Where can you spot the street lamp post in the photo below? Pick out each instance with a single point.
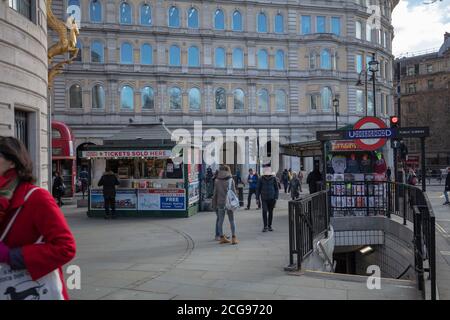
(373, 67)
(336, 109)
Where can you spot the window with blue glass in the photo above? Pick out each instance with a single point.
(221, 99)
(97, 52)
(262, 22)
(175, 56)
(80, 49)
(147, 98)
(146, 54)
(146, 15)
(326, 95)
(238, 99)
(175, 98)
(220, 57)
(125, 13)
(279, 60)
(280, 100)
(359, 63)
(126, 53)
(95, 11)
(195, 99)
(237, 21)
(126, 98)
(263, 100)
(193, 57)
(193, 18)
(306, 24)
(336, 25)
(174, 17)
(368, 59)
(263, 61)
(325, 59)
(321, 24)
(279, 23)
(219, 20)
(238, 58)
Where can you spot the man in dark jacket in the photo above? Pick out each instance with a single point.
(313, 178)
(267, 190)
(447, 186)
(252, 181)
(58, 188)
(109, 182)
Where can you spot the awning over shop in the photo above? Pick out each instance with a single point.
(302, 149)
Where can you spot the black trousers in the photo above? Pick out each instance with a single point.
(267, 208)
(110, 202)
(249, 199)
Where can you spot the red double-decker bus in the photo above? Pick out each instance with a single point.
(63, 155)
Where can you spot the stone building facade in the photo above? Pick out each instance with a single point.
(229, 64)
(425, 101)
(23, 84)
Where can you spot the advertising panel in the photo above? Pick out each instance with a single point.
(125, 199)
(162, 199)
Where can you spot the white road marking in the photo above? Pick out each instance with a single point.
(445, 253)
(441, 230)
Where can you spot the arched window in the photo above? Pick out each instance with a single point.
(175, 98)
(147, 98)
(146, 15)
(219, 20)
(262, 22)
(126, 53)
(194, 99)
(326, 98)
(97, 52)
(263, 61)
(174, 17)
(193, 18)
(279, 60)
(95, 10)
(220, 58)
(238, 58)
(368, 32)
(325, 59)
(221, 99)
(237, 21)
(279, 23)
(127, 98)
(125, 13)
(146, 54)
(238, 96)
(175, 56)
(312, 60)
(280, 100)
(358, 28)
(263, 100)
(193, 57)
(98, 97)
(75, 95)
(80, 49)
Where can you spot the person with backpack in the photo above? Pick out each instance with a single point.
(223, 183)
(267, 191)
(252, 181)
(58, 188)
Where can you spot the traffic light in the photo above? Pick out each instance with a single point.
(394, 122)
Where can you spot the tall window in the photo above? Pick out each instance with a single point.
(24, 7)
(219, 20)
(280, 100)
(359, 63)
(174, 17)
(358, 28)
(193, 57)
(336, 25)
(263, 100)
(126, 98)
(146, 15)
(368, 32)
(125, 13)
(237, 21)
(193, 18)
(279, 60)
(75, 95)
(97, 52)
(175, 98)
(220, 58)
(368, 59)
(312, 60)
(147, 98)
(175, 56)
(146, 54)
(383, 111)
(221, 99)
(238, 100)
(238, 58)
(263, 61)
(80, 49)
(321, 24)
(370, 102)
(306, 24)
(326, 98)
(359, 101)
(313, 102)
(262, 22)
(95, 10)
(21, 126)
(98, 97)
(126, 53)
(194, 99)
(279, 23)
(325, 59)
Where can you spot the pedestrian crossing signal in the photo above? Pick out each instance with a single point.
(394, 121)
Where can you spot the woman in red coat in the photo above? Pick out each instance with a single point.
(39, 216)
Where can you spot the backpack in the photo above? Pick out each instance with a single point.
(232, 201)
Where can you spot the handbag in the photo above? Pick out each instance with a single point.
(18, 284)
(232, 201)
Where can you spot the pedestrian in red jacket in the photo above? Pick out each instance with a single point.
(39, 216)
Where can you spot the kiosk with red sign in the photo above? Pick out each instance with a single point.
(63, 157)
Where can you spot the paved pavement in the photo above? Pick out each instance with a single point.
(156, 258)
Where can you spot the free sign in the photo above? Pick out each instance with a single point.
(374, 129)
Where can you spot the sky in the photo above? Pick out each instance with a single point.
(418, 26)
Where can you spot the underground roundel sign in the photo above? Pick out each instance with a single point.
(368, 123)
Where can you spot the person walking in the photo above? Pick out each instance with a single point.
(447, 186)
(84, 178)
(252, 180)
(109, 182)
(58, 188)
(314, 177)
(267, 191)
(295, 186)
(388, 174)
(219, 200)
(28, 214)
(300, 177)
(285, 180)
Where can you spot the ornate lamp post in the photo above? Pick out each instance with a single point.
(373, 67)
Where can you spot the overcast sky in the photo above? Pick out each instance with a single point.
(418, 26)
